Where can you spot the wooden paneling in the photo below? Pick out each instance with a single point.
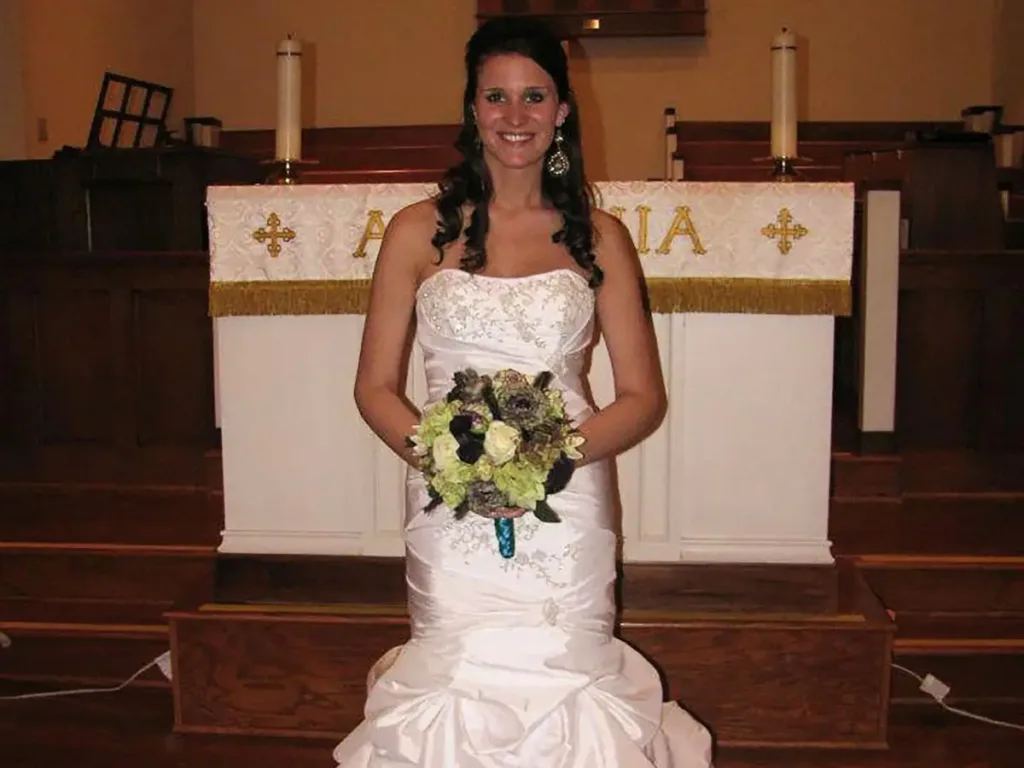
(949, 189)
(173, 392)
(746, 683)
(960, 371)
(735, 588)
(279, 674)
(28, 214)
(301, 671)
(74, 345)
(110, 368)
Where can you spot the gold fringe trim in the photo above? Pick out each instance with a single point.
(765, 296)
(750, 295)
(290, 297)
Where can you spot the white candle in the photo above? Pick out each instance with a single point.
(289, 85)
(784, 94)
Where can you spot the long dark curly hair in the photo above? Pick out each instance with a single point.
(469, 180)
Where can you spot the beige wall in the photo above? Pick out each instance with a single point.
(864, 60)
(1009, 58)
(400, 62)
(13, 144)
(68, 45)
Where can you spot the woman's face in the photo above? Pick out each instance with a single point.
(517, 110)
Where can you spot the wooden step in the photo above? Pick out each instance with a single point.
(63, 656)
(929, 524)
(92, 614)
(130, 728)
(958, 618)
(863, 477)
(104, 572)
(758, 678)
(81, 513)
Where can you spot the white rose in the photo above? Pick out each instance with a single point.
(501, 442)
(445, 451)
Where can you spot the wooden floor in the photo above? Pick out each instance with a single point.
(131, 728)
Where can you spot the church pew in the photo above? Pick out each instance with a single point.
(737, 151)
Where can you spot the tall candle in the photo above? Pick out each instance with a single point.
(289, 85)
(784, 94)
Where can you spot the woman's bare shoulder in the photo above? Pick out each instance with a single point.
(416, 221)
(407, 237)
(613, 242)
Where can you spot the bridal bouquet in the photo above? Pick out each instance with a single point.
(497, 446)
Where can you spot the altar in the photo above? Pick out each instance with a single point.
(744, 279)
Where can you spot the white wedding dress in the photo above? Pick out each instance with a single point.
(512, 662)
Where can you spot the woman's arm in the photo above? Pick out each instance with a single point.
(379, 387)
(640, 398)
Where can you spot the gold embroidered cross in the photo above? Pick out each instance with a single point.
(785, 231)
(274, 233)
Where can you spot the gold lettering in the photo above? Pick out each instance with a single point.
(682, 224)
(374, 230)
(617, 211)
(642, 247)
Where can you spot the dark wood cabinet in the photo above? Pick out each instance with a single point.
(573, 19)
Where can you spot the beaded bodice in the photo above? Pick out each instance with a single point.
(542, 321)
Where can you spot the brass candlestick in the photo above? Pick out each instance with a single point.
(287, 170)
(784, 169)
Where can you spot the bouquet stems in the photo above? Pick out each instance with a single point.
(504, 527)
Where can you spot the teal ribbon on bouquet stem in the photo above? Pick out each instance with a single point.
(505, 528)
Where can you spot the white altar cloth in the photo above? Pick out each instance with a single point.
(745, 281)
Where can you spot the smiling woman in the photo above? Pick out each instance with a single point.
(513, 660)
(517, 110)
(519, 114)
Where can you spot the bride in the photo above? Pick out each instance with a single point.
(512, 660)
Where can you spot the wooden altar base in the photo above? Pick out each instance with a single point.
(742, 667)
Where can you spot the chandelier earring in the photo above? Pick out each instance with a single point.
(558, 161)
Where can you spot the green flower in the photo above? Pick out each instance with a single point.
(433, 424)
(556, 405)
(522, 482)
(453, 483)
(480, 414)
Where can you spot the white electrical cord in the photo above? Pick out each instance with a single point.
(938, 690)
(163, 661)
